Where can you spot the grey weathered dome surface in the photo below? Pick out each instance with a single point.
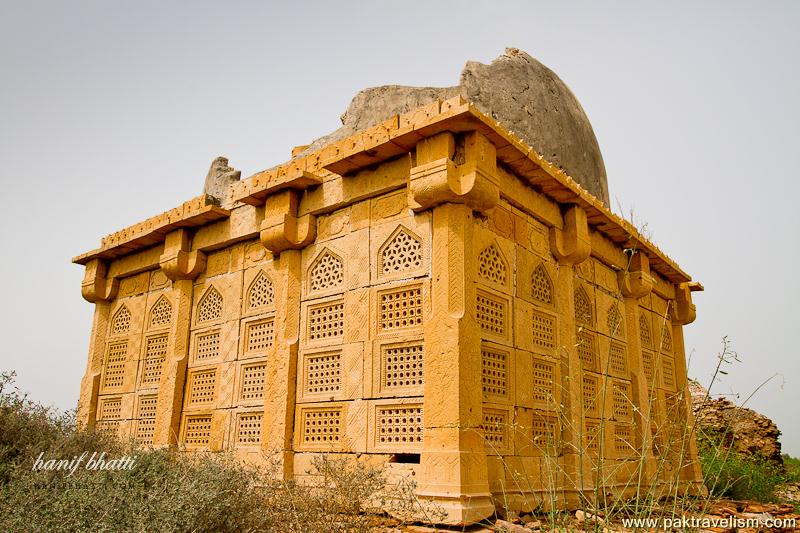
(516, 90)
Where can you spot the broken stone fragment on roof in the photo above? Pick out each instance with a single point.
(219, 178)
(516, 90)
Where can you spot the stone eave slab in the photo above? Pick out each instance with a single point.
(399, 135)
(198, 211)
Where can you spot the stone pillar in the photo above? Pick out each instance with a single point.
(571, 245)
(99, 290)
(453, 461)
(636, 282)
(284, 234)
(181, 265)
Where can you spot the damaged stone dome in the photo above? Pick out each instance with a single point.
(516, 90)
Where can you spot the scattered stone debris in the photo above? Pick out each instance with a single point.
(743, 430)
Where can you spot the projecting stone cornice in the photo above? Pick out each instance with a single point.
(196, 212)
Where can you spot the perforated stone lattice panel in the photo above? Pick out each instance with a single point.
(624, 445)
(400, 309)
(591, 437)
(583, 308)
(668, 371)
(110, 409)
(544, 381)
(590, 390)
(146, 425)
(491, 314)
(544, 330)
(197, 431)
(252, 387)
(648, 366)
(402, 365)
(322, 373)
(155, 353)
(622, 401)
(495, 429)
(615, 322)
(115, 364)
(494, 372)
(544, 433)
(326, 273)
(249, 428)
(587, 350)
(645, 337)
(492, 267)
(403, 252)
(666, 338)
(121, 322)
(321, 426)
(618, 359)
(399, 426)
(326, 321)
(541, 286)
(207, 346)
(210, 306)
(202, 386)
(261, 293)
(161, 313)
(259, 335)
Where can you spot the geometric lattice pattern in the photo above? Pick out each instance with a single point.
(121, 322)
(161, 313)
(403, 252)
(618, 359)
(146, 426)
(321, 425)
(202, 386)
(644, 332)
(541, 286)
(326, 321)
(491, 314)
(207, 346)
(583, 308)
(400, 309)
(155, 353)
(197, 431)
(648, 366)
(544, 330)
(623, 440)
(252, 387)
(615, 322)
(590, 392)
(591, 437)
(494, 426)
(327, 272)
(261, 292)
(210, 306)
(115, 364)
(544, 383)
(544, 432)
(249, 430)
(323, 373)
(495, 372)
(668, 372)
(110, 409)
(399, 426)
(401, 365)
(621, 400)
(666, 337)
(260, 335)
(492, 267)
(587, 350)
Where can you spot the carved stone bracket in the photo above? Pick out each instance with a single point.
(684, 311)
(438, 178)
(282, 229)
(636, 281)
(178, 260)
(96, 287)
(572, 245)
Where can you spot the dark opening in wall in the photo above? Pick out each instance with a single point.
(407, 458)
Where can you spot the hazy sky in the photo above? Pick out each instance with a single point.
(111, 112)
